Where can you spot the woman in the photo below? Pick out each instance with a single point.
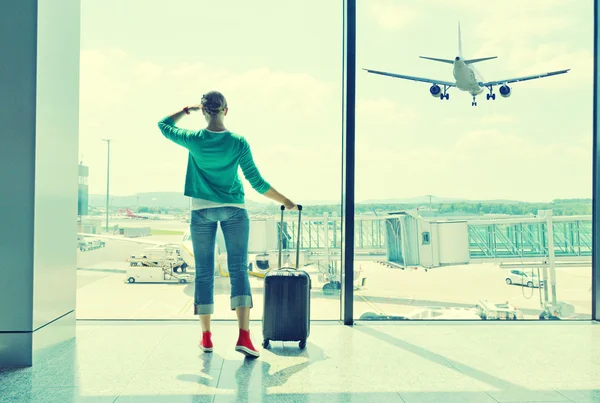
(217, 195)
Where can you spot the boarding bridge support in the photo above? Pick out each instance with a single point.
(551, 255)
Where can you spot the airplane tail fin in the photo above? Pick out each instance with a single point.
(460, 54)
(482, 59)
(435, 59)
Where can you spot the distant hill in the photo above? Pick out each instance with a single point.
(154, 199)
(448, 206)
(424, 200)
(176, 200)
(173, 200)
(414, 200)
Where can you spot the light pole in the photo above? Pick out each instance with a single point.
(430, 196)
(107, 181)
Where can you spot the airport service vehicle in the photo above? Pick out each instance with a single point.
(160, 256)
(92, 244)
(159, 264)
(521, 277)
(503, 311)
(444, 313)
(155, 274)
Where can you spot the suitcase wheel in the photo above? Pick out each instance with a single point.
(302, 344)
(265, 343)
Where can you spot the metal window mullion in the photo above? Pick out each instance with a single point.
(348, 159)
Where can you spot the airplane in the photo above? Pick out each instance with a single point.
(466, 80)
(129, 214)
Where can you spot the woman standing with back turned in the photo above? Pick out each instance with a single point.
(217, 195)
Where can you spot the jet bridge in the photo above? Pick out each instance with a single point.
(407, 239)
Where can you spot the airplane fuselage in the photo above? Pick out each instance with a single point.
(465, 78)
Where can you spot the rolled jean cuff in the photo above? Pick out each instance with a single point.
(241, 300)
(206, 309)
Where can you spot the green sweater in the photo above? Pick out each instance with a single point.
(213, 161)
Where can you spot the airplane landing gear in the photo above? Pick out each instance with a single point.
(474, 103)
(491, 95)
(445, 95)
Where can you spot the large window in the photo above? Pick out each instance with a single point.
(471, 203)
(278, 64)
(483, 203)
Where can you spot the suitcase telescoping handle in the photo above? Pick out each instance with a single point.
(297, 241)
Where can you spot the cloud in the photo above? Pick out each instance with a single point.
(552, 57)
(279, 91)
(148, 72)
(497, 119)
(510, 28)
(487, 140)
(484, 164)
(300, 170)
(491, 119)
(188, 70)
(391, 15)
(123, 98)
(384, 109)
(509, 7)
(97, 76)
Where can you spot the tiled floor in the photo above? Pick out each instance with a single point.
(425, 362)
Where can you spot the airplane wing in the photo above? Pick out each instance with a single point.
(526, 78)
(118, 238)
(420, 79)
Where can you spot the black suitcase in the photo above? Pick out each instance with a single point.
(286, 314)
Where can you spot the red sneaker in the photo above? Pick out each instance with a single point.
(206, 343)
(244, 345)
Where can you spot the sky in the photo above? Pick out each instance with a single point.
(280, 66)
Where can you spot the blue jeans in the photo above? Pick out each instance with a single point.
(236, 231)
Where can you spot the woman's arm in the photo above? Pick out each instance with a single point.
(178, 115)
(173, 133)
(278, 197)
(256, 180)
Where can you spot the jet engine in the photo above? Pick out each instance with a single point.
(435, 91)
(505, 91)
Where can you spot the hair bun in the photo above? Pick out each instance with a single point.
(213, 102)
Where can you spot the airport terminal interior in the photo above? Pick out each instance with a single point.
(491, 297)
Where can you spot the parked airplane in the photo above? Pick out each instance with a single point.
(129, 214)
(464, 74)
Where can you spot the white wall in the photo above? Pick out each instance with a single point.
(39, 109)
(56, 184)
